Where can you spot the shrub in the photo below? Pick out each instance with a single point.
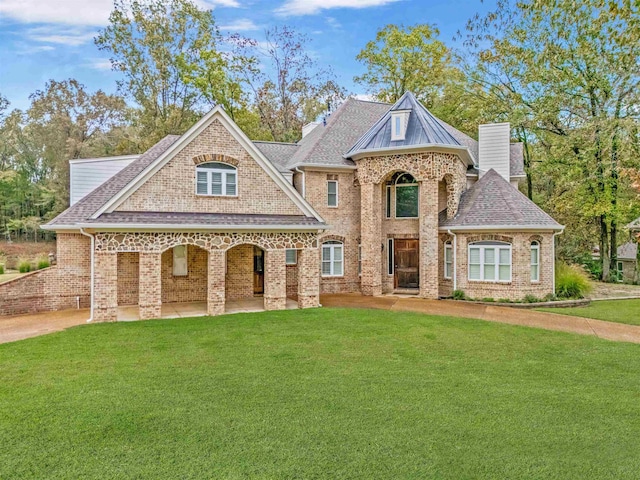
(504, 300)
(459, 295)
(529, 298)
(24, 265)
(571, 281)
(488, 299)
(550, 297)
(43, 262)
(1, 269)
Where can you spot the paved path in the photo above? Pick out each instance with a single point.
(618, 332)
(19, 327)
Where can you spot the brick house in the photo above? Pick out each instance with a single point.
(376, 199)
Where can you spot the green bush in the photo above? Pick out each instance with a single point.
(571, 281)
(504, 300)
(1, 269)
(24, 266)
(550, 297)
(459, 295)
(529, 298)
(488, 299)
(42, 262)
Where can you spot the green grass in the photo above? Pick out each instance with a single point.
(323, 393)
(619, 311)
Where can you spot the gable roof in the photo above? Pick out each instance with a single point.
(492, 203)
(325, 144)
(627, 251)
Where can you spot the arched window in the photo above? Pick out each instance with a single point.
(406, 196)
(535, 261)
(332, 259)
(216, 179)
(448, 260)
(490, 261)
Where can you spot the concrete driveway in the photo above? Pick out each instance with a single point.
(618, 332)
(19, 327)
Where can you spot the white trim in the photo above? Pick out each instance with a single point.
(496, 247)
(150, 227)
(535, 245)
(448, 246)
(374, 152)
(219, 113)
(91, 260)
(331, 246)
(336, 194)
(503, 228)
(455, 260)
(103, 159)
(223, 180)
(322, 167)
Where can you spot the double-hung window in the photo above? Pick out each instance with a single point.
(332, 193)
(535, 262)
(216, 179)
(490, 261)
(291, 257)
(448, 260)
(332, 259)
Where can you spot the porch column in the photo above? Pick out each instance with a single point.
(150, 292)
(429, 238)
(105, 301)
(216, 282)
(371, 241)
(308, 278)
(275, 280)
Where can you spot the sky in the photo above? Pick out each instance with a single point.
(53, 39)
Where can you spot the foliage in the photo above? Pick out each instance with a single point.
(619, 311)
(571, 281)
(42, 262)
(210, 397)
(1, 268)
(459, 295)
(529, 298)
(488, 299)
(24, 265)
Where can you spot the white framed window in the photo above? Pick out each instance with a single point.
(291, 256)
(332, 259)
(407, 196)
(490, 261)
(535, 262)
(390, 257)
(448, 260)
(359, 260)
(180, 264)
(332, 193)
(216, 179)
(398, 124)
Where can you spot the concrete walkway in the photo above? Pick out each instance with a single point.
(19, 327)
(618, 332)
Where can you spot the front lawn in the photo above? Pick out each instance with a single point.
(620, 311)
(325, 393)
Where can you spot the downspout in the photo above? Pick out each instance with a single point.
(553, 251)
(455, 259)
(304, 195)
(93, 241)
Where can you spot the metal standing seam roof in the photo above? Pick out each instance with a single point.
(493, 201)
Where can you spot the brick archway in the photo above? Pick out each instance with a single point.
(215, 157)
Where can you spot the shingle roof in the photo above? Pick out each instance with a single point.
(211, 219)
(87, 206)
(325, 145)
(627, 251)
(422, 128)
(635, 225)
(278, 153)
(492, 201)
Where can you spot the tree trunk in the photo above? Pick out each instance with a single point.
(636, 276)
(604, 248)
(613, 244)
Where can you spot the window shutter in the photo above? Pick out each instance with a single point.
(216, 183)
(201, 187)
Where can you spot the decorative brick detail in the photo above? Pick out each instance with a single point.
(308, 278)
(216, 283)
(215, 157)
(106, 287)
(423, 166)
(150, 285)
(161, 241)
(275, 282)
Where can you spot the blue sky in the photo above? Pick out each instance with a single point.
(53, 39)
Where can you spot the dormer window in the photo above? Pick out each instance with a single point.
(398, 125)
(216, 179)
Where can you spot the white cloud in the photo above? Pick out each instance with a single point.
(240, 25)
(311, 7)
(74, 12)
(365, 96)
(62, 35)
(24, 49)
(100, 64)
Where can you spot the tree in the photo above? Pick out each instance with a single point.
(285, 85)
(406, 58)
(573, 70)
(164, 49)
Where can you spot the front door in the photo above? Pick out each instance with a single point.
(406, 261)
(258, 271)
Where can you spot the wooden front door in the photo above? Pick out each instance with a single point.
(258, 271)
(406, 263)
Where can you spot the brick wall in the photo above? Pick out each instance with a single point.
(53, 288)
(189, 288)
(292, 281)
(128, 278)
(239, 278)
(172, 188)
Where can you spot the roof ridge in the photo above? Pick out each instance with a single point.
(274, 142)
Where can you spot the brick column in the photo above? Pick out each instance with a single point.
(371, 241)
(105, 293)
(308, 278)
(429, 239)
(275, 280)
(150, 291)
(216, 282)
